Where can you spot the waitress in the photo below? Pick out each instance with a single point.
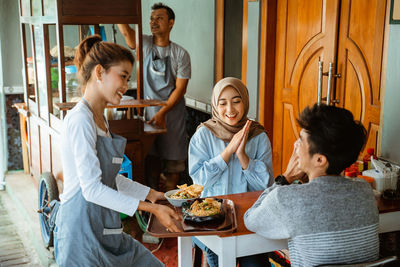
(88, 225)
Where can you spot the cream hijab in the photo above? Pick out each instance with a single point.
(217, 126)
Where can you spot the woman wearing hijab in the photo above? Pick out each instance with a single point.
(229, 153)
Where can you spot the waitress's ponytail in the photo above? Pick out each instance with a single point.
(83, 63)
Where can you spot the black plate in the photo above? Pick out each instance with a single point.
(188, 217)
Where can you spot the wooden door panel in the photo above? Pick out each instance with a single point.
(354, 99)
(307, 84)
(290, 133)
(372, 139)
(306, 33)
(360, 52)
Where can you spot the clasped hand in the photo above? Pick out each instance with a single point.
(238, 145)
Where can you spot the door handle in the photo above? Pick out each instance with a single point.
(328, 92)
(330, 75)
(320, 67)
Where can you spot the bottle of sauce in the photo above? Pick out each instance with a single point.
(367, 158)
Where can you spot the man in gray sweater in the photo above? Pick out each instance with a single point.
(331, 219)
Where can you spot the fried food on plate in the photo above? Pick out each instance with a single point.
(187, 192)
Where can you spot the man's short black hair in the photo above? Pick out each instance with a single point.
(170, 12)
(334, 133)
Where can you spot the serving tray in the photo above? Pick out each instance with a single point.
(229, 225)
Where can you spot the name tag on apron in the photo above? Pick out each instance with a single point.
(117, 160)
(112, 231)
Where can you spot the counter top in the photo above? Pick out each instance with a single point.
(129, 103)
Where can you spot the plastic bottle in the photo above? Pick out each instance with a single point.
(71, 82)
(367, 158)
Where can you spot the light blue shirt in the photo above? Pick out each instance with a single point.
(207, 168)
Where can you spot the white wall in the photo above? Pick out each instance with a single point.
(194, 30)
(390, 148)
(3, 143)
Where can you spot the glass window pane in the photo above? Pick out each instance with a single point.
(71, 41)
(50, 7)
(26, 8)
(41, 71)
(30, 68)
(55, 96)
(37, 8)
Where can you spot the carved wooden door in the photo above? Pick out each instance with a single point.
(347, 33)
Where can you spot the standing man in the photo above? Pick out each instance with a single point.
(166, 73)
(331, 219)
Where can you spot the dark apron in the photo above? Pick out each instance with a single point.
(158, 83)
(87, 234)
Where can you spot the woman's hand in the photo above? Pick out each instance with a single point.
(154, 195)
(164, 214)
(167, 218)
(242, 146)
(233, 144)
(241, 150)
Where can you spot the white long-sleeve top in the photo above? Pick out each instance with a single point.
(207, 167)
(81, 167)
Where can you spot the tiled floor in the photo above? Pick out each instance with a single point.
(21, 202)
(166, 250)
(13, 252)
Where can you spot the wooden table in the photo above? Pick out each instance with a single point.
(244, 242)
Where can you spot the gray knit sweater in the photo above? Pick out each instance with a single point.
(332, 219)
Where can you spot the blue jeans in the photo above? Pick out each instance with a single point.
(55, 242)
(259, 260)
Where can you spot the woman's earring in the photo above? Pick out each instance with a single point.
(98, 81)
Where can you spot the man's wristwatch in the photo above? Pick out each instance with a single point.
(281, 180)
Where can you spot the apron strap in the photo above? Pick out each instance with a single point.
(104, 117)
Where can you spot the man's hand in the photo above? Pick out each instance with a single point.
(158, 119)
(293, 171)
(129, 35)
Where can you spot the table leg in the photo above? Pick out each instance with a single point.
(227, 255)
(184, 251)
